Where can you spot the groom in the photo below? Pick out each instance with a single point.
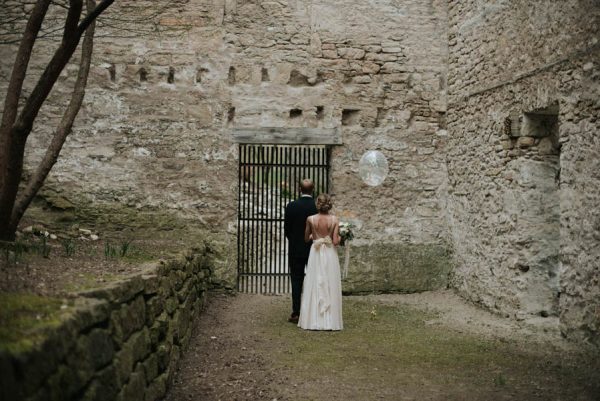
(296, 213)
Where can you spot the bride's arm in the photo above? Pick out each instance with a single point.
(307, 231)
(336, 233)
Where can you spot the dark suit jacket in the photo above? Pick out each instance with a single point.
(296, 213)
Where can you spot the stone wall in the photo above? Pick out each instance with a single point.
(122, 342)
(155, 132)
(524, 183)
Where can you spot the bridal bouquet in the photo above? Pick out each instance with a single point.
(346, 233)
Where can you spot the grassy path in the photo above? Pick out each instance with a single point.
(390, 350)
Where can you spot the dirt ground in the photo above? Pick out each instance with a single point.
(430, 346)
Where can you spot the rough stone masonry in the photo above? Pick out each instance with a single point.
(501, 188)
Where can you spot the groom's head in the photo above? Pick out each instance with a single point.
(306, 186)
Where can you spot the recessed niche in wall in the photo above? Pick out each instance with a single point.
(264, 75)
(320, 112)
(441, 117)
(381, 116)
(112, 72)
(143, 74)
(230, 115)
(231, 76)
(534, 137)
(171, 76)
(350, 116)
(298, 79)
(295, 113)
(200, 74)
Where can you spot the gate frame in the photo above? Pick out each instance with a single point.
(259, 138)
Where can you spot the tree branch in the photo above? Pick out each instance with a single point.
(93, 15)
(72, 20)
(15, 86)
(64, 128)
(46, 82)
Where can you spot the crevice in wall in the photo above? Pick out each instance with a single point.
(171, 76)
(295, 113)
(381, 116)
(230, 115)
(231, 76)
(320, 112)
(200, 75)
(350, 117)
(112, 72)
(264, 75)
(298, 79)
(143, 74)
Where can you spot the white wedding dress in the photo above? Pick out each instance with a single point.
(321, 305)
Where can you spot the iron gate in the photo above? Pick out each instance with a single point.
(269, 177)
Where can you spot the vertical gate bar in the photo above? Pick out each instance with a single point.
(313, 168)
(320, 169)
(292, 186)
(243, 216)
(276, 205)
(248, 217)
(321, 162)
(271, 223)
(258, 220)
(252, 221)
(238, 214)
(255, 218)
(274, 185)
(283, 203)
(282, 199)
(262, 222)
(281, 152)
(327, 166)
(249, 214)
(246, 222)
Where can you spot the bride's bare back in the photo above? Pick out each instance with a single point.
(322, 225)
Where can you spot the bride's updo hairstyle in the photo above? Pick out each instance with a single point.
(324, 203)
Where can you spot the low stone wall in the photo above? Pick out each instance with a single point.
(401, 268)
(122, 342)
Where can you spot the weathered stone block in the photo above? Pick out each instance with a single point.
(397, 268)
(103, 387)
(158, 330)
(128, 319)
(164, 355)
(351, 53)
(95, 349)
(154, 307)
(134, 350)
(151, 367)
(525, 141)
(119, 291)
(171, 304)
(156, 389)
(135, 389)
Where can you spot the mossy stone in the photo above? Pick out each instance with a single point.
(396, 268)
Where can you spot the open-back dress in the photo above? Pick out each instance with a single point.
(321, 305)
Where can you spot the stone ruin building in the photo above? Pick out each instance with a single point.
(488, 113)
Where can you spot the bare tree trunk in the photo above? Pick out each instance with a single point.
(13, 135)
(64, 129)
(8, 175)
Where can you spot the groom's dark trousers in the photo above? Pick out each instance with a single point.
(296, 213)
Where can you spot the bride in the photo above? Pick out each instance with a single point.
(321, 305)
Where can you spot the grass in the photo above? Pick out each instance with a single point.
(384, 344)
(23, 319)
